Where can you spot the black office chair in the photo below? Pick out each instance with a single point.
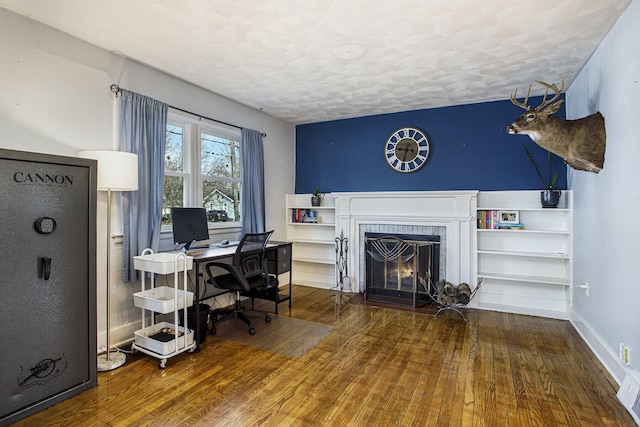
(247, 276)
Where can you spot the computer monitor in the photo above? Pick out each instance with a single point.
(189, 225)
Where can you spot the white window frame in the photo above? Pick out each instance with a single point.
(192, 127)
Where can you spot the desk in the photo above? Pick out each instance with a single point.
(278, 261)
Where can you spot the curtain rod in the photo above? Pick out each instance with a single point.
(116, 90)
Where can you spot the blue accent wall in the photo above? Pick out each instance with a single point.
(470, 150)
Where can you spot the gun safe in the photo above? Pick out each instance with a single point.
(47, 281)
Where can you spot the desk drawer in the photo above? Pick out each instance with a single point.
(279, 261)
(279, 267)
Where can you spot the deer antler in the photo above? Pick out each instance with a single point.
(554, 88)
(517, 103)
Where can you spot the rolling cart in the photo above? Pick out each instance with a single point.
(163, 339)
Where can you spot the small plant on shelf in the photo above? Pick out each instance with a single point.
(316, 197)
(550, 196)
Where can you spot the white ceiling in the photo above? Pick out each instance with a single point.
(287, 57)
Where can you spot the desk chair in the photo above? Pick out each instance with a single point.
(247, 275)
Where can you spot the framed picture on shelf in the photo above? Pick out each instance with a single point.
(509, 217)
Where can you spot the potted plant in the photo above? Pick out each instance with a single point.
(550, 196)
(316, 197)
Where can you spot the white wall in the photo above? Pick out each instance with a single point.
(55, 99)
(606, 228)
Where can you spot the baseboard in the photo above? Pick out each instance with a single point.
(607, 357)
(121, 337)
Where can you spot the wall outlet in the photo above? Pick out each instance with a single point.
(625, 354)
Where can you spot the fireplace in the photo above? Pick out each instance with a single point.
(448, 214)
(401, 268)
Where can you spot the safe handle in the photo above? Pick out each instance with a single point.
(46, 267)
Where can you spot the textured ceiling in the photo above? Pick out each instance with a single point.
(316, 60)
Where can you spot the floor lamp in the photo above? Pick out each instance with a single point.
(117, 171)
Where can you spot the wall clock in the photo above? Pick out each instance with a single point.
(407, 149)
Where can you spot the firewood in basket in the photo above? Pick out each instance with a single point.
(464, 293)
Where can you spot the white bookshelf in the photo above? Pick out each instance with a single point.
(526, 271)
(313, 254)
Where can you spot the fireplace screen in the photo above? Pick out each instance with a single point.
(401, 268)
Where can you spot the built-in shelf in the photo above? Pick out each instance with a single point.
(555, 314)
(527, 270)
(554, 255)
(508, 208)
(526, 278)
(312, 224)
(525, 231)
(313, 242)
(314, 260)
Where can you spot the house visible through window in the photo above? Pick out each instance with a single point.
(202, 168)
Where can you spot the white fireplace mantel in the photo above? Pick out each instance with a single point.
(453, 210)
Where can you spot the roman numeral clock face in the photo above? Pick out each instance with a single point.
(407, 149)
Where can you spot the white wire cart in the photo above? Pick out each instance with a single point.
(163, 339)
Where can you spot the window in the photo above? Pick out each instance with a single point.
(202, 168)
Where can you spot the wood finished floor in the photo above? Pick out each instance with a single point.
(379, 367)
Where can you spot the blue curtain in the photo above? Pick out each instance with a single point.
(143, 126)
(253, 210)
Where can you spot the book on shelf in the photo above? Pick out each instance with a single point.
(489, 220)
(299, 215)
(509, 226)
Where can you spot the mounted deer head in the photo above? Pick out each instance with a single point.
(581, 143)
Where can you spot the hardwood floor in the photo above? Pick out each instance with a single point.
(379, 367)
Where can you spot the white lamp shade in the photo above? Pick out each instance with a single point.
(117, 170)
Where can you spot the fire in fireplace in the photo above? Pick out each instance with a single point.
(401, 268)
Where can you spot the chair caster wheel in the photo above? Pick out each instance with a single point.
(213, 331)
(252, 331)
(267, 319)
